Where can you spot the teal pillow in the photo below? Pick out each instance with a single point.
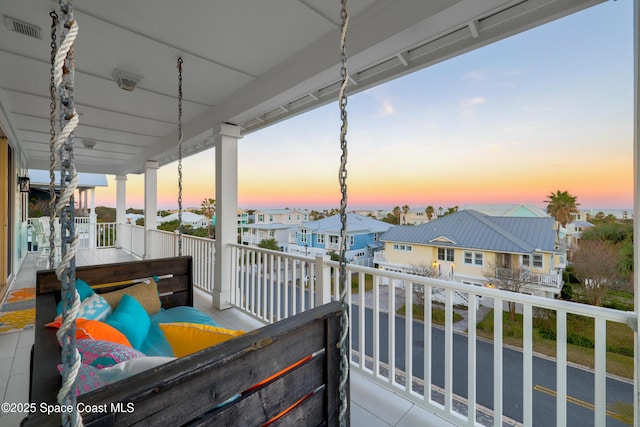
(131, 319)
(84, 291)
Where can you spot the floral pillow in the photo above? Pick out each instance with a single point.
(87, 380)
(102, 354)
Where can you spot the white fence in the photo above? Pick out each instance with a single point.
(399, 351)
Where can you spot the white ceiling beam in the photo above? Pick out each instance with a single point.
(403, 57)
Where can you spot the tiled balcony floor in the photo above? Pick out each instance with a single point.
(371, 405)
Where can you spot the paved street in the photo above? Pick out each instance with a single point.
(580, 382)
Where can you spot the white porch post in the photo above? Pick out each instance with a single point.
(226, 212)
(93, 218)
(150, 204)
(121, 207)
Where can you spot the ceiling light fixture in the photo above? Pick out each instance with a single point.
(126, 81)
(89, 143)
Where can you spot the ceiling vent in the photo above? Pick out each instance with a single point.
(22, 27)
(126, 81)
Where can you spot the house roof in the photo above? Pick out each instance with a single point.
(187, 217)
(281, 211)
(474, 230)
(355, 224)
(508, 209)
(270, 226)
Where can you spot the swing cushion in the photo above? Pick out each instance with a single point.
(145, 292)
(188, 338)
(87, 380)
(97, 330)
(156, 344)
(84, 291)
(93, 308)
(131, 319)
(102, 354)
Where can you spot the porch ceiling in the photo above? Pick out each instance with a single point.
(246, 62)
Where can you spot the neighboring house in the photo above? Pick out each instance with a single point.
(273, 224)
(188, 218)
(323, 236)
(414, 217)
(462, 245)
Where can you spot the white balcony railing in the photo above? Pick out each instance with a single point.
(446, 370)
(165, 244)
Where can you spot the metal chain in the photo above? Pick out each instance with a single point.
(52, 144)
(342, 101)
(64, 68)
(180, 156)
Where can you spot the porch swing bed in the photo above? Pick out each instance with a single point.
(286, 373)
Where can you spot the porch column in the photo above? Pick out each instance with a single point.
(121, 208)
(93, 218)
(226, 146)
(150, 204)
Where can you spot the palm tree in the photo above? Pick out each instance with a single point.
(429, 211)
(561, 205)
(208, 206)
(396, 213)
(405, 211)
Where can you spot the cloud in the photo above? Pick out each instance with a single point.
(387, 108)
(468, 106)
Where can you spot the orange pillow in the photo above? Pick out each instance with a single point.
(188, 338)
(96, 330)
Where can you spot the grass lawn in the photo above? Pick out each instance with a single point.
(355, 286)
(437, 314)
(617, 336)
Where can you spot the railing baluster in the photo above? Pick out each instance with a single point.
(361, 312)
(471, 359)
(561, 368)
(428, 344)
(600, 380)
(527, 365)
(408, 338)
(392, 333)
(376, 325)
(497, 361)
(448, 350)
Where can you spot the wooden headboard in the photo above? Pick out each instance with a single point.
(175, 291)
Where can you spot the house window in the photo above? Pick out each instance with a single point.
(537, 260)
(321, 239)
(303, 236)
(351, 240)
(532, 261)
(445, 254)
(402, 248)
(289, 217)
(375, 237)
(270, 218)
(334, 240)
(474, 258)
(271, 234)
(260, 217)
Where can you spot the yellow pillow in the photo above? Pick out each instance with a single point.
(146, 293)
(188, 338)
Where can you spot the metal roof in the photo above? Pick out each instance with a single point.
(356, 223)
(473, 230)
